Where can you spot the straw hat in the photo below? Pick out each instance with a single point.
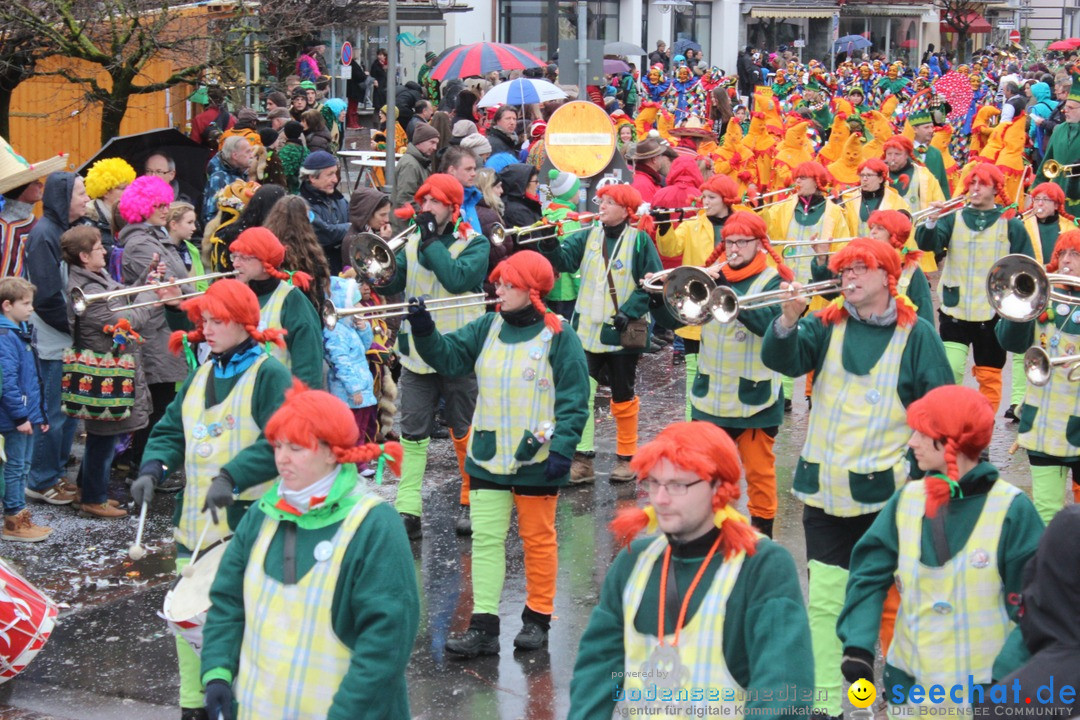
(15, 171)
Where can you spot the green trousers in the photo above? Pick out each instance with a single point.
(413, 465)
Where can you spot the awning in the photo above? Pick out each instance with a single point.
(977, 23)
(792, 12)
(894, 10)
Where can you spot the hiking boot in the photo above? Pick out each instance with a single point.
(581, 469)
(412, 526)
(533, 636)
(473, 643)
(19, 528)
(54, 495)
(1010, 414)
(77, 500)
(102, 510)
(464, 521)
(193, 714)
(622, 473)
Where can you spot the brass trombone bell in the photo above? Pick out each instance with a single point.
(80, 300)
(374, 258)
(1019, 288)
(1052, 169)
(727, 304)
(331, 314)
(1038, 366)
(687, 292)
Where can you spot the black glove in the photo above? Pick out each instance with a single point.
(549, 244)
(220, 495)
(857, 664)
(219, 699)
(420, 320)
(425, 223)
(620, 321)
(557, 466)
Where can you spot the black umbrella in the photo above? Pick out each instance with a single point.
(190, 157)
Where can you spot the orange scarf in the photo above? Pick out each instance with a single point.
(752, 268)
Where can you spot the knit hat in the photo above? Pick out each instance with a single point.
(308, 85)
(423, 133)
(106, 174)
(708, 452)
(963, 419)
(293, 130)
(429, 56)
(308, 417)
(875, 255)
(260, 243)
(225, 300)
(566, 186)
(319, 160)
(477, 143)
(464, 128)
(268, 136)
(529, 270)
(748, 224)
(142, 197)
(1069, 240)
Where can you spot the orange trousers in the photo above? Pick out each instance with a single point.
(888, 619)
(759, 462)
(461, 449)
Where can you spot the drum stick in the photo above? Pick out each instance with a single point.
(137, 551)
(189, 569)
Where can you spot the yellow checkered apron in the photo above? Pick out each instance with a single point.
(516, 395)
(730, 356)
(594, 306)
(697, 665)
(952, 621)
(214, 436)
(862, 427)
(270, 317)
(421, 282)
(1056, 404)
(971, 254)
(291, 661)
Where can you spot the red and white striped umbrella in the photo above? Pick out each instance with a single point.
(481, 58)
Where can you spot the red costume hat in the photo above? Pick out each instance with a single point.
(529, 270)
(225, 300)
(898, 225)
(876, 165)
(1066, 241)
(875, 255)
(988, 175)
(1054, 192)
(260, 243)
(900, 143)
(725, 187)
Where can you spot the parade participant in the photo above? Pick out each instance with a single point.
(694, 240)
(652, 160)
(707, 603)
(955, 544)
(614, 255)
(729, 387)
(214, 431)
(915, 183)
(442, 258)
(565, 190)
(875, 194)
(319, 547)
(927, 155)
(894, 227)
(524, 432)
(871, 357)
(1047, 219)
(1046, 412)
(974, 244)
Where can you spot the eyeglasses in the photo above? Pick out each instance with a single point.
(161, 173)
(739, 244)
(869, 176)
(1043, 200)
(856, 270)
(504, 286)
(673, 489)
(237, 257)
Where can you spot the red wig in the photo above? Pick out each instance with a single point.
(876, 165)
(629, 197)
(447, 190)
(962, 418)
(988, 175)
(725, 187)
(309, 417)
(1055, 193)
(708, 452)
(875, 255)
(898, 225)
(529, 270)
(264, 245)
(814, 170)
(1066, 241)
(900, 142)
(226, 300)
(748, 224)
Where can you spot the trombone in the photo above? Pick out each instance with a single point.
(1038, 366)
(727, 304)
(687, 290)
(500, 233)
(1019, 288)
(810, 243)
(80, 301)
(952, 206)
(1052, 169)
(374, 258)
(331, 315)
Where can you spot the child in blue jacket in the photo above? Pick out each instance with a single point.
(22, 406)
(346, 346)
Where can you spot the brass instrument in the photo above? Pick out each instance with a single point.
(1052, 169)
(500, 233)
(952, 206)
(374, 258)
(1020, 289)
(1038, 365)
(688, 292)
(671, 211)
(854, 192)
(727, 304)
(810, 243)
(80, 300)
(331, 314)
(788, 189)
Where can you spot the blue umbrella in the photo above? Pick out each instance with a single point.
(522, 91)
(851, 42)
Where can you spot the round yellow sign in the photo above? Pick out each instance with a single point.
(580, 139)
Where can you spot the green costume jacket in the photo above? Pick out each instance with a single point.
(936, 239)
(1064, 148)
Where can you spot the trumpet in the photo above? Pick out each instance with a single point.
(1052, 169)
(1038, 366)
(80, 301)
(500, 233)
(374, 258)
(687, 290)
(689, 209)
(1020, 289)
(781, 191)
(950, 207)
(727, 304)
(331, 315)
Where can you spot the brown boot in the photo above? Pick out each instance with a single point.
(19, 528)
(622, 473)
(581, 469)
(102, 510)
(77, 502)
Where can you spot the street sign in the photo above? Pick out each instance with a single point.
(1014, 36)
(799, 43)
(346, 53)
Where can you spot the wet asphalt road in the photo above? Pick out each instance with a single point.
(112, 656)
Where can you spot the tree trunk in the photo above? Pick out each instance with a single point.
(114, 108)
(5, 110)
(17, 68)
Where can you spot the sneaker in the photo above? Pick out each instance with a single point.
(533, 636)
(68, 486)
(77, 501)
(413, 527)
(464, 521)
(622, 473)
(581, 469)
(787, 405)
(473, 643)
(19, 528)
(102, 510)
(678, 357)
(1010, 414)
(53, 495)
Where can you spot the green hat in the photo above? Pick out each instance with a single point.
(200, 96)
(564, 186)
(813, 85)
(919, 110)
(920, 117)
(429, 56)
(308, 85)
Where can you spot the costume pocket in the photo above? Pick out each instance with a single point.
(528, 447)
(872, 487)
(700, 388)
(807, 477)
(754, 392)
(950, 296)
(1072, 431)
(483, 444)
(403, 343)
(1027, 417)
(609, 335)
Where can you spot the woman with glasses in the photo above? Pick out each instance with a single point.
(872, 357)
(874, 194)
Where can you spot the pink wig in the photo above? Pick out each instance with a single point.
(142, 196)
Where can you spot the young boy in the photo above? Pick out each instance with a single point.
(21, 406)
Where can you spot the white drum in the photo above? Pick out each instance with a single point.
(187, 603)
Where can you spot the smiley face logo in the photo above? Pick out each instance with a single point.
(862, 693)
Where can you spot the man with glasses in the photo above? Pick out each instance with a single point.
(872, 357)
(704, 617)
(974, 243)
(164, 167)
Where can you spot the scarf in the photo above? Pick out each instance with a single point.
(752, 268)
(310, 497)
